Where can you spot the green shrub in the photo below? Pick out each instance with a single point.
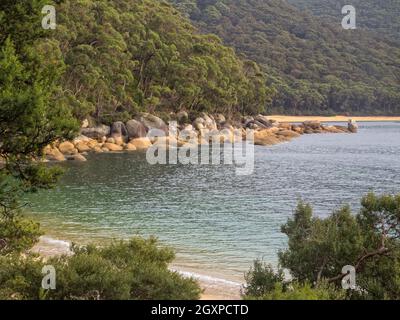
(305, 291)
(137, 270)
(261, 279)
(20, 277)
(18, 235)
(318, 249)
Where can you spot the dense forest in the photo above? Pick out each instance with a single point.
(126, 56)
(115, 58)
(382, 17)
(315, 65)
(121, 57)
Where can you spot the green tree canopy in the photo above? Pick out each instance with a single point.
(127, 56)
(31, 115)
(318, 249)
(315, 65)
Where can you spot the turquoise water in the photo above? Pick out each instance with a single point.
(219, 222)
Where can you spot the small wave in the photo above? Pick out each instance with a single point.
(54, 242)
(48, 247)
(207, 278)
(49, 244)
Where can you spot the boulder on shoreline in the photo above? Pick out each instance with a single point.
(67, 147)
(333, 129)
(96, 132)
(118, 129)
(288, 133)
(119, 140)
(342, 128)
(209, 121)
(205, 129)
(352, 126)
(83, 147)
(110, 140)
(130, 147)
(258, 122)
(53, 154)
(152, 122)
(135, 129)
(285, 126)
(298, 128)
(198, 124)
(313, 125)
(112, 147)
(141, 143)
(263, 121)
(76, 157)
(220, 119)
(265, 138)
(182, 117)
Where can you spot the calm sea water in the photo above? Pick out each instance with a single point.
(219, 222)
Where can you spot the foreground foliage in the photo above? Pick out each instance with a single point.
(34, 114)
(319, 248)
(137, 269)
(30, 68)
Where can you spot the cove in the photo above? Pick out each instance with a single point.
(219, 222)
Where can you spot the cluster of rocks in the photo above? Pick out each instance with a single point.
(130, 136)
(272, 132)
(133, 135)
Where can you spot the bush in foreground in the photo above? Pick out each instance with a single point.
(137, 269)
(319, 248)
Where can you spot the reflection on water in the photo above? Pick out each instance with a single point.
(217, 221)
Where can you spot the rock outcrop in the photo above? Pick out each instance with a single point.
(53, 154)
(152, 122)
(130, 147)
(82, 147)
(312, 125)
(67, 147)
(76, 157)
(118, 129)
(265, 138)
(141, 143)
(96, 132)
(205, 129)
(135, 129)
(182, 117)
(112, 147)
(352, 126)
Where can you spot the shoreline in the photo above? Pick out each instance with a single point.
(268, 131)
(150, 131)
(213, 288)
(284, 118)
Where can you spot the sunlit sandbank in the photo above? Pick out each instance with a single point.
(283, 118)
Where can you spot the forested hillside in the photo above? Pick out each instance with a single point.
(126, 56)
(119, 57)
(382, 17)
(315, 65)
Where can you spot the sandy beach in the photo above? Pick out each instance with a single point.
(283, 118)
